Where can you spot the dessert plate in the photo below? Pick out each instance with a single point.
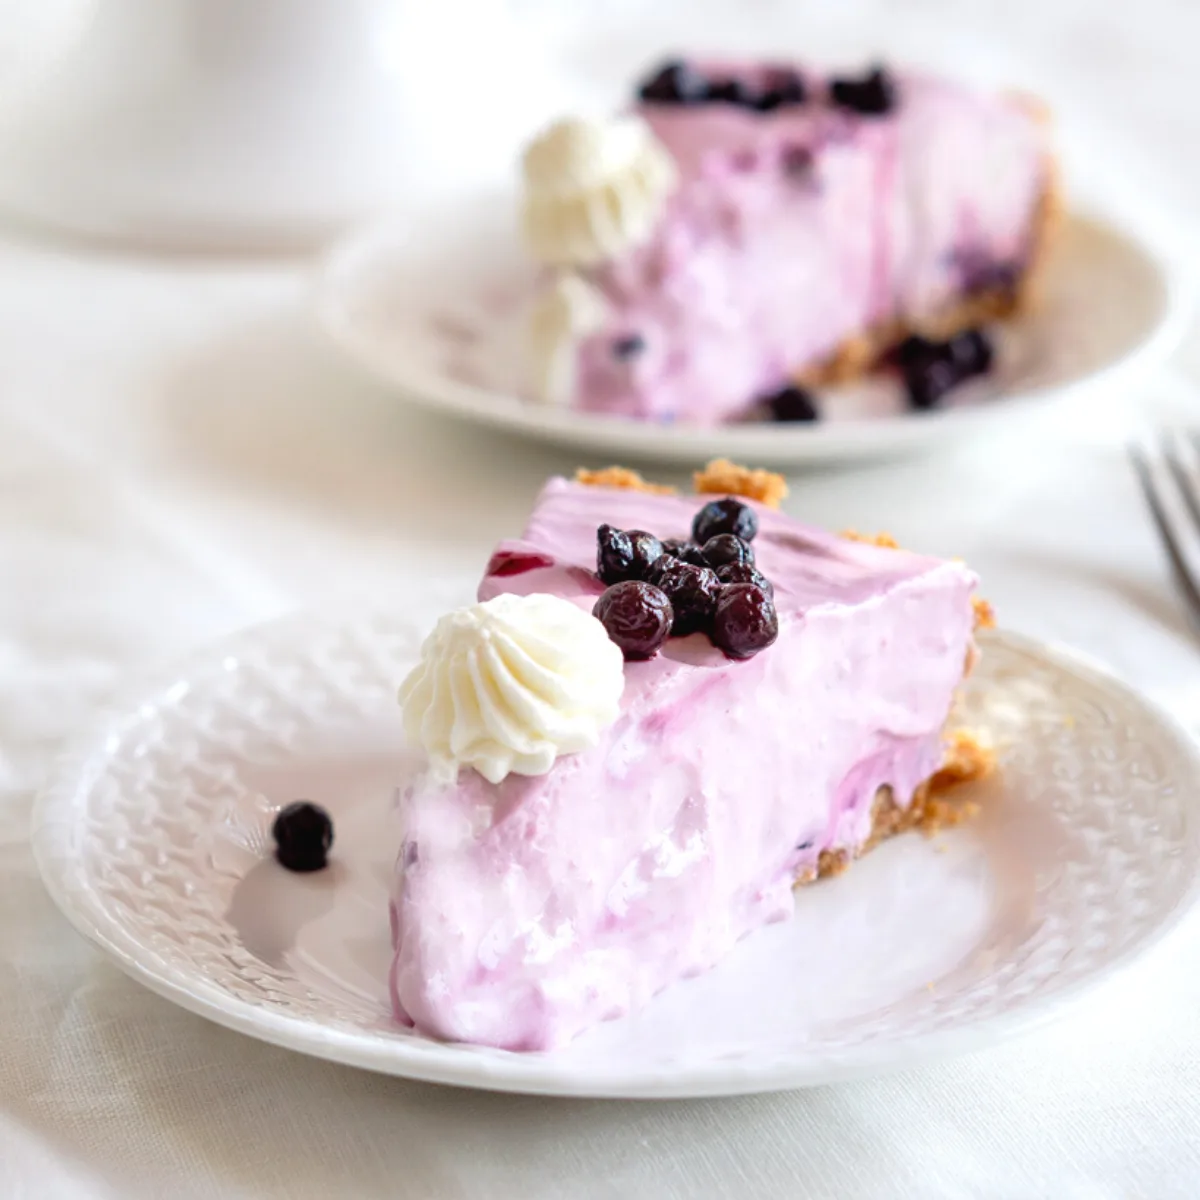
(153, 838)
(428, 306)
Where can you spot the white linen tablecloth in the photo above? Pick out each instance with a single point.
(179, 455)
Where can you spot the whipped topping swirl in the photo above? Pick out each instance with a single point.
(567, 311)
(510, 685)
(593, 188)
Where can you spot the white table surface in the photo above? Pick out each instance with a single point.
(180, 455)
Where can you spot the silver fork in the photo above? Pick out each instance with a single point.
(1168, 467)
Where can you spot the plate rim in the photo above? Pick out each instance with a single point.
(54, 835)
(808, 443)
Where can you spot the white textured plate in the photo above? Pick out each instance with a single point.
(428, 306)
(153, 839)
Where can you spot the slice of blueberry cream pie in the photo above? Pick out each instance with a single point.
(747, 232)
(662, 714)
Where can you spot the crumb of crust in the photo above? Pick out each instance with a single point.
(622, 479)
(722, 476)
(832, 862)
(985, 615)
(885, 540)
(967, 757)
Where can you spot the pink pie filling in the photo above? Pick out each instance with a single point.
(793, 231)
(527, 911)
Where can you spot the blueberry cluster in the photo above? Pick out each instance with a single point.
(932, 369)
(675, 82)
(303, 834)
(660, 589)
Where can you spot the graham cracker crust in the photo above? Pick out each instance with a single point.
(967, 759)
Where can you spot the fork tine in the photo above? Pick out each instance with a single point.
(1166, 525)
(1183, 473)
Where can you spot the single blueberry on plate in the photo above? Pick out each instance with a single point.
(303, 834)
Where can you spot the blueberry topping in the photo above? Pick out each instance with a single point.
(726, 548)
(732, 91)
(928, 380)
(624, 555)
(791, 404)
(647, 550)
(303, 834)
(637, 616)
(628, 347)
(913, 350)
(786, 88)
(745, 621)
(614, 555)
(970, 352)
(746, 573)
(931, 369)
(872, 96)
(687, 552)
(692, 591)
(674, 83)
(724, 516)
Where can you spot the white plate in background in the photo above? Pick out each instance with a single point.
(427, 306)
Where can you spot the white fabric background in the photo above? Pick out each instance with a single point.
(179, 455)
